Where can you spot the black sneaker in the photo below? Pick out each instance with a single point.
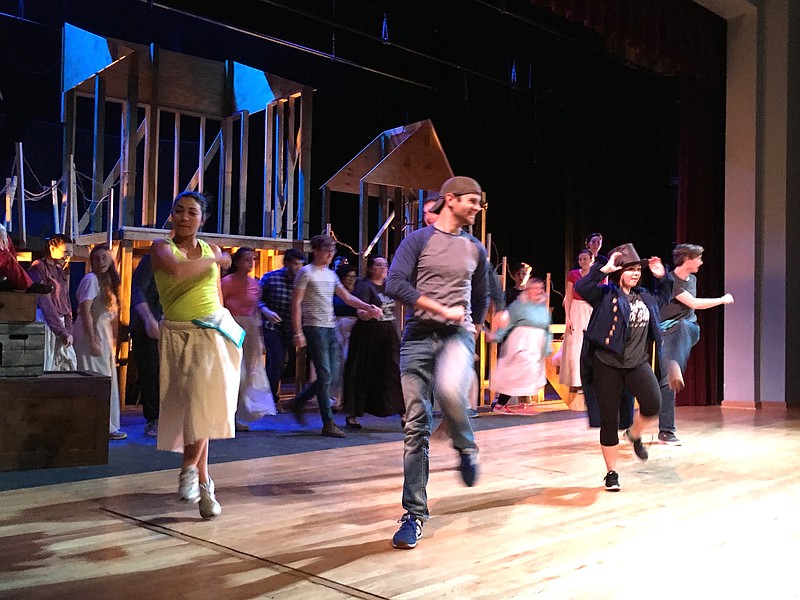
(612, 482)
(408, 534)
(668, 437)
(638, 445)
(469, 467)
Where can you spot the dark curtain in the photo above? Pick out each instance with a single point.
(681, 38)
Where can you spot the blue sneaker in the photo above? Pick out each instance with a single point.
(408, 534)
(469, 467)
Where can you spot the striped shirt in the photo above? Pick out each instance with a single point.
(319, 285)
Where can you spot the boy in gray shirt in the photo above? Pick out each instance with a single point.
(440, 272)
(313, 324)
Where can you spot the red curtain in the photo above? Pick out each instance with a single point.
(679, 37)
(665, 36)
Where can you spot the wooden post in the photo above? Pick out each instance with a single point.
(54, 194)
(363, 222)
(201, 153)
(123, 345)
(150, 176)
(68, 156)
(176, 156)
(98, 152)
(291, 163)
(244, 142)
(280, 168)
(225, 178)
(268, 225)
(110, 219)
(73, 194)
(130, 126)
(304, 175)
(21, 187)
(326, 206)
(11, 189)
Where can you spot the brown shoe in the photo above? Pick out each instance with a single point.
(331, 430)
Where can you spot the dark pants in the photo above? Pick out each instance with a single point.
(279, 347)
(609, 383)
(145, 353)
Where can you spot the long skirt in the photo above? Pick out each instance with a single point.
(579, 314)
(344, 327)
(520, 369)
(199, 385)
(105, 364)
(255, 395)
(372, 371)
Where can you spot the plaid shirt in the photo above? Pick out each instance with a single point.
(276, 295)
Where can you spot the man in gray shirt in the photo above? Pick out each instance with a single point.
(440, 273)
(314, 325)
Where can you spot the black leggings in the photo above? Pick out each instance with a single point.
(608, 384)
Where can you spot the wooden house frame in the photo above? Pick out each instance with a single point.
(151, 84)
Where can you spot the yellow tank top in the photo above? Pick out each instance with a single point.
(192, 298)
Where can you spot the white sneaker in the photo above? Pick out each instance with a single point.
(209, 507)
(189, 485)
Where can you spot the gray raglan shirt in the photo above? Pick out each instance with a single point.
(448, 268)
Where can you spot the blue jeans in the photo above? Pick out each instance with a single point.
(323, 349)
(678, 343)
(440, 360)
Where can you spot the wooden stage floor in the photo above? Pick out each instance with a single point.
(714, 518)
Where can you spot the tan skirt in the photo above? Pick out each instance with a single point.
(199, 385)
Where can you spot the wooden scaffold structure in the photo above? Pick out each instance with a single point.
(199, 113)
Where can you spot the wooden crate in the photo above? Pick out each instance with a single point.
(21, 349)
(17, 306)
(54, 420)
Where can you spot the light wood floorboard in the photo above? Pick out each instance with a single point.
(714, 518)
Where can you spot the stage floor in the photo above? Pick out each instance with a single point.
(714, 518)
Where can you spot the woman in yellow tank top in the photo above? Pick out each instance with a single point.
(199, 350)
